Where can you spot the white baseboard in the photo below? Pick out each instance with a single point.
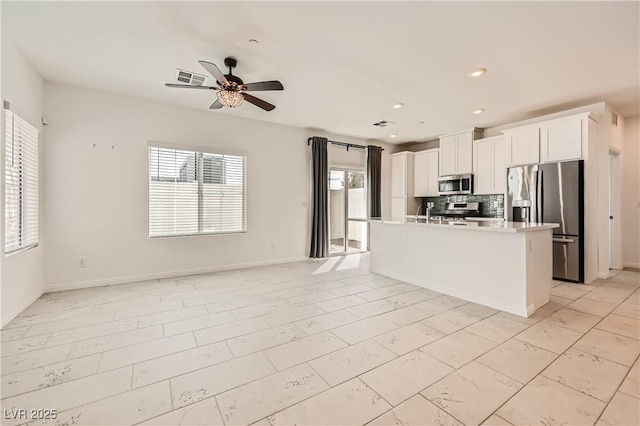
(603, 275)
(19, 310)
(462, 294)
(635, 265)
(170, 274)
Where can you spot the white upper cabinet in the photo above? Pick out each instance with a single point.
(522, 145)
(456, 153)
(448, 155)
(499, 165)
(482, 166)
(425, 173)
(547, 142)
(465, 152)
(489, 166)
(562, 139)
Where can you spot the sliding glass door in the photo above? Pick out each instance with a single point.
(348, 227)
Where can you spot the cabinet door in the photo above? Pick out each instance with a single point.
(420, 174)
(448, 155)
(398, 208)
(483, 167)
(398, 175)
(561, 140)
(432, 175)
(499, 166)
(523, 146)
(464, 152)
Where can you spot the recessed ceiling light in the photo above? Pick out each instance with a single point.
(393, 136)
(398, 105)
(479, 111)
(253, 41)
(477, 73)
(420, 122)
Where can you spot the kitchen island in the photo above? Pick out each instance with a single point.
(504, 265)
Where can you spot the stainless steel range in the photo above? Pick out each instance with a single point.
(456, 211)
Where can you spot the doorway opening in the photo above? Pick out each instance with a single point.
(348, 226)
(615, 257)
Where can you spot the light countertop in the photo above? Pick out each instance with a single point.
(491, 226)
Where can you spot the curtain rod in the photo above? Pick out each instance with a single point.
(348, 145)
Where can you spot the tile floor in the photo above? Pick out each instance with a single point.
(321, 342)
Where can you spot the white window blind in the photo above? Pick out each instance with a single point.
(20, 184)
(195, 193)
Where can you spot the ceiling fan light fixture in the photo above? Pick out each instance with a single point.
(230, 98)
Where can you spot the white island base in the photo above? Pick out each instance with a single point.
(506, 266)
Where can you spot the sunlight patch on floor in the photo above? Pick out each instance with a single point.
(350, 261)
(327, 266)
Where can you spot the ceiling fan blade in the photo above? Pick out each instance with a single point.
(258, 102)
(264, 85)
(214, 71)
(190, 86)
(216, 105)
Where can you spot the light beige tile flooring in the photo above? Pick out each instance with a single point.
(321, 343)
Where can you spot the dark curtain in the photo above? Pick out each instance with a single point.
(320, 221)
(374, 180)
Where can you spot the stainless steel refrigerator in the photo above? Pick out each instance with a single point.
(552, 193)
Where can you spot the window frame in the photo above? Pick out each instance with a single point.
(199, 152)
(25, 175)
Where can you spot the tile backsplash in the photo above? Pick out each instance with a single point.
(490, 205)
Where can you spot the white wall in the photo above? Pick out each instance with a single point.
(21, 273)
(87, 186)
(631, 193)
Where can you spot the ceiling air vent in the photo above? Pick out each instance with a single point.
(190, 78)
(383, 123)
(614, 119)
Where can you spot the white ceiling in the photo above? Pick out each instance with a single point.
(344, 64)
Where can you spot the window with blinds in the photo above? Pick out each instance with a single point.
(195, 193)
(20, 184)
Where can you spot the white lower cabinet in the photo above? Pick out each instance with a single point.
(489, 166)
(425, 173)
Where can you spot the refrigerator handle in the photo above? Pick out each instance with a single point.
(533, 215)
(536, 204)
(539, 194)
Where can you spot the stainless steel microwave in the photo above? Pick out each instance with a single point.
(455, 184)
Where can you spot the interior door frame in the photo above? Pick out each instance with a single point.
(615, 210)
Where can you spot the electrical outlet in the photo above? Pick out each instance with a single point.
(82, 263)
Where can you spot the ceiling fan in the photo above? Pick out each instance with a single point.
(231, 89)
